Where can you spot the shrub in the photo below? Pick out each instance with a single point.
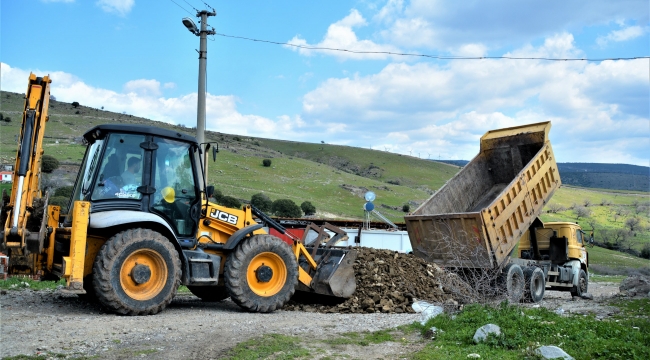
(262, 202)
(231, 202)
(406, 208)
(65, 191)
(217, 195)
(236, 138)
(75, 104)
(581, 212)
(49, 164)
(266, 162)
(76, 112)
(308, 208)
(286, 208)
(645, 252)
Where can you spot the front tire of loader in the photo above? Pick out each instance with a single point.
(136, 272)
(261, 274)
(210, 293)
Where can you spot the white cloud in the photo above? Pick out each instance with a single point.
(143, 87)
(169, 85)
(119, 7)
(391, 10)
(444, 25)
(625, 34)
(141, 97)
(340, 35)
(445, 109)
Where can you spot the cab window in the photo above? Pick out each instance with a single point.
(175, 185)
(120, 172)
(579, 236)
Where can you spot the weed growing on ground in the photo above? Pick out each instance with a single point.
(280, 346)
(17, 283)
(523, 330)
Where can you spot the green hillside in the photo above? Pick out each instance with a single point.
(332, 177)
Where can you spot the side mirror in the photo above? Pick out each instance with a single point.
(215, 150)
(209, 190)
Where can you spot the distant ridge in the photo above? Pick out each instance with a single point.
(596, 175)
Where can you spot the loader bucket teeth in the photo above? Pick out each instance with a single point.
(335, 273)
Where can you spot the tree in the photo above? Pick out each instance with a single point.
(554, 208)
(581, 212)
(61, 201)
(286, 208)
(49, 164)
(262, 202)
(614, 238)
(586, 202)
(231, 202)
(308, 208)
(406, 208)
(645, 252)
(633, 224)
(266, 162)
(52, 97)
(75, 104)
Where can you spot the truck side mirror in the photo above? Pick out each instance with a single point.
(215, 150)
(209, 190)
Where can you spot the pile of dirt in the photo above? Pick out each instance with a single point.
(387, 282)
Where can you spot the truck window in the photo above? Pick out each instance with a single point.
(579, 236)
(120, 172)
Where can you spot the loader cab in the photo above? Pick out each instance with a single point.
(133, 174)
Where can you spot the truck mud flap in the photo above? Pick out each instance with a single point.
(334, 275)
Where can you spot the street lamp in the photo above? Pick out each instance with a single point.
(203, 57)
(191, 26)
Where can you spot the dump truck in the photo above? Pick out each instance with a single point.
(140, 224)
(477, 219)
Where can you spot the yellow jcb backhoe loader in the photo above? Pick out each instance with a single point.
(140, 225)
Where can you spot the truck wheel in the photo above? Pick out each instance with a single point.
(583, 285)
(210, 293)
(513, 279)
(136, 272)
(535, 284)
(261, 274)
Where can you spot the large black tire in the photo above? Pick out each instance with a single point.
(512, 279)
(210, 293)
(535, 284)
(261, 274)
(583, 285)
(136, 272)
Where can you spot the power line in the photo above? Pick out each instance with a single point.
(208, 5)
(197, 10)
(437, 57)
(183, 8)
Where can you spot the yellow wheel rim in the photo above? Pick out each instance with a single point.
(266, 274)
(143, 274)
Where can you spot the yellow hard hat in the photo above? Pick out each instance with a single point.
(168, 194)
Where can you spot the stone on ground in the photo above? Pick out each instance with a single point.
(635, 285)
(552, 352)
(482, 333)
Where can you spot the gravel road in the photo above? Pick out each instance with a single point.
(48, 321)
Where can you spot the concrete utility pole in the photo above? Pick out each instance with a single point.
(203, 62)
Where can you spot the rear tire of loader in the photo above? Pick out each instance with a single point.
(136, 272)
(210, 293)
(535, 284)
(513, 279)
(261, 274)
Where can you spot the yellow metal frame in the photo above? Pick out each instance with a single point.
(73, 265)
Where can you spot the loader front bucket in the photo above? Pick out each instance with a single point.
(334, 275)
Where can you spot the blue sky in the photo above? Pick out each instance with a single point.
(136, 56)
